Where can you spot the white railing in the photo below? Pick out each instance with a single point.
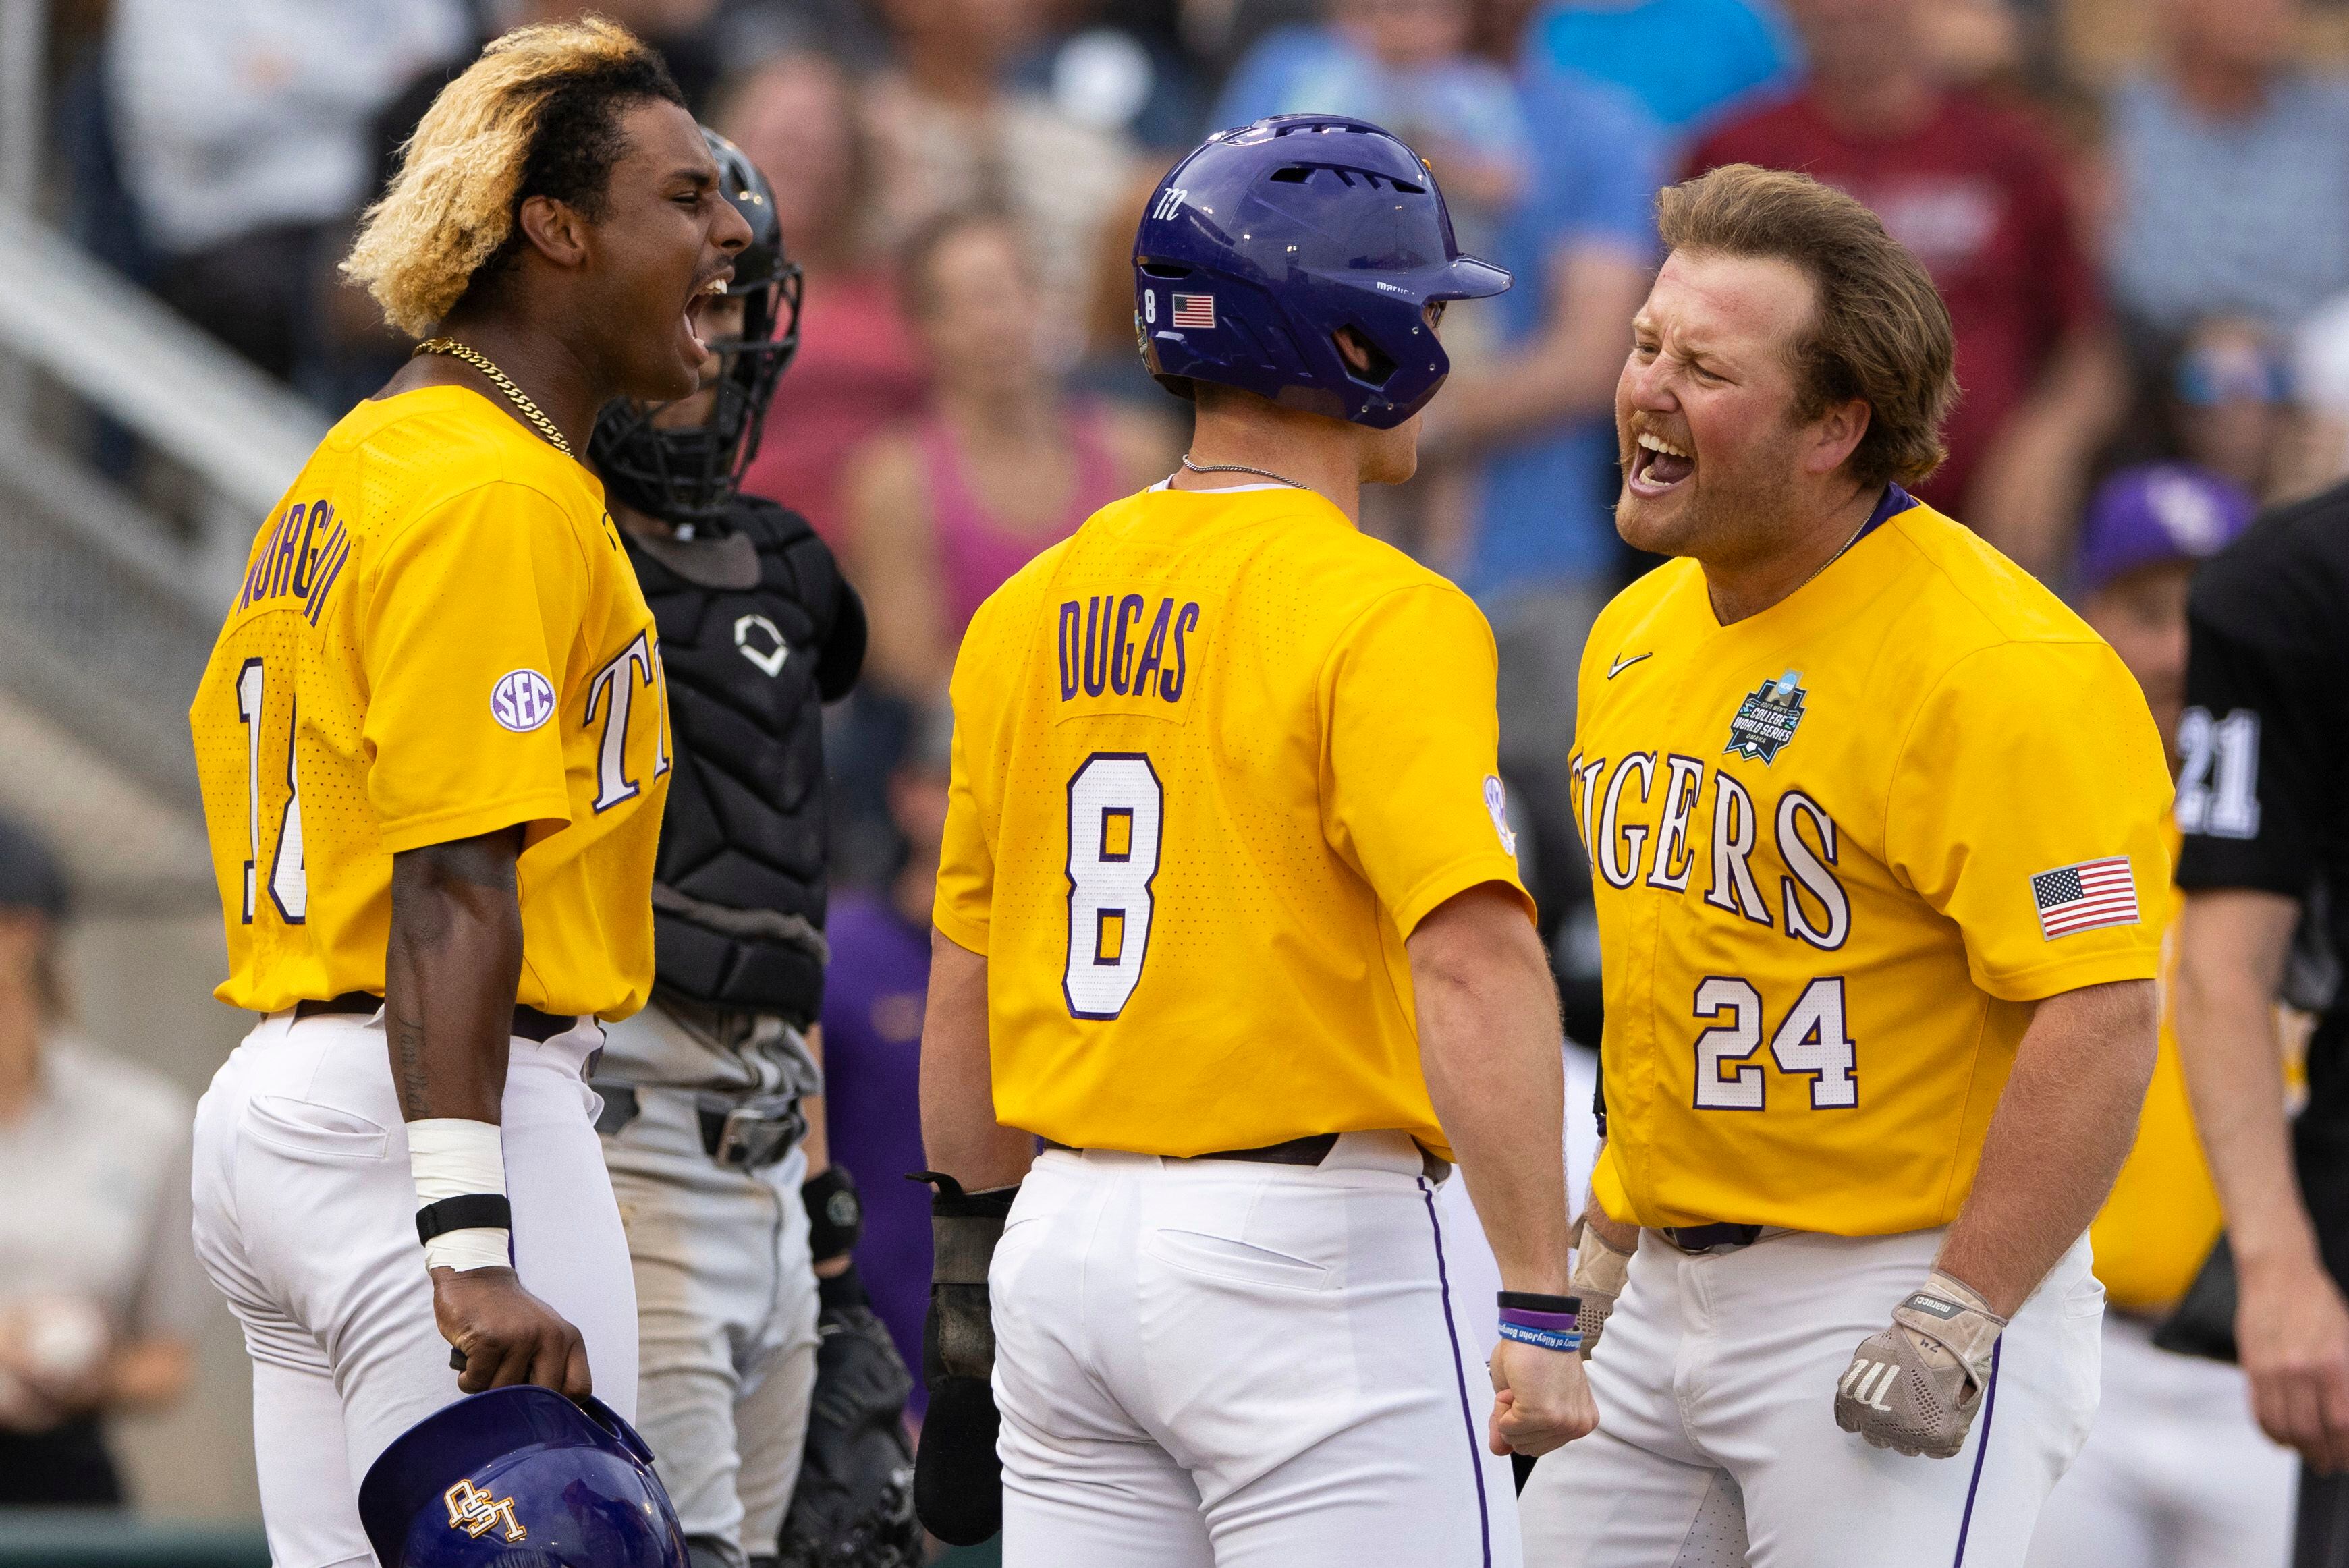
(242, 433)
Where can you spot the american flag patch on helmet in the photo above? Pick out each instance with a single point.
(2085, 896)
(1194, 310)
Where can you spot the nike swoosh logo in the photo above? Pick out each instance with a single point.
(1621, 664)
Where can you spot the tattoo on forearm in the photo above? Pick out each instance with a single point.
(407, 1041)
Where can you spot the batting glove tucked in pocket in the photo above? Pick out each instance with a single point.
(1916, 1385)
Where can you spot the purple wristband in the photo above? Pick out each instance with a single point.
(1526, 1317)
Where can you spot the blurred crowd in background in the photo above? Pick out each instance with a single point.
(2136, 209)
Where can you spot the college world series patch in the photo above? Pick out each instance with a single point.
(1765, 721)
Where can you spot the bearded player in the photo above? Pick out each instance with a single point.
(433, 744)
(1877, 824)
(1228, 916)
(711, 1115)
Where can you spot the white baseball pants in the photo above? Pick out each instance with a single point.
(1218, 1363)
(305, 1219)
(2175, 1473)
(726, 1308)
(1717, 1445)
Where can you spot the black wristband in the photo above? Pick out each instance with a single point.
(836, 1292)
(1534, 1301)
(836, 1213)
(465, 1212)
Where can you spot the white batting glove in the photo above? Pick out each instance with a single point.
(1915, 1387)
(1599, 1275)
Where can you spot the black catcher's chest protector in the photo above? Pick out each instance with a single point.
(758, 631)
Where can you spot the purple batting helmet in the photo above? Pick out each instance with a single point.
(1258, 246)
(520, 1478)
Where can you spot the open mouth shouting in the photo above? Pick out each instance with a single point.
(1658, 466)
(695, 305)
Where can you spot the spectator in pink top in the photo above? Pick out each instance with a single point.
(1006, 463)
(857, 369)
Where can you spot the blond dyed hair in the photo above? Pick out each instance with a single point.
(449, 213)
(1880, 334)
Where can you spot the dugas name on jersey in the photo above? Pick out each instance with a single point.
(1644, 821)
(1122, 645)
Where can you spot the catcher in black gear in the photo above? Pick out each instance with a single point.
(753, 1325)
(854, 1507)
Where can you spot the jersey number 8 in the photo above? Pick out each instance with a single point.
(1115, 808)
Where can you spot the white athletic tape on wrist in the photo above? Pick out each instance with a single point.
(449, 1157)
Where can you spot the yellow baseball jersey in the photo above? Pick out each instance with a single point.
(1215, 757)
(438, 635)
(2163, 1215)
(1840, 848)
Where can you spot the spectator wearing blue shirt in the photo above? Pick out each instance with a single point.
(1689, 63)
(1541, 555)
(1403, 64)
(2233, 173)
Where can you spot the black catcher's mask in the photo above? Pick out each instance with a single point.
(687, 473)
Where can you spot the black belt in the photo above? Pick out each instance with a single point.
(1311, 1149)
(1722, 1237)
(529, 1023)
(746, 1132)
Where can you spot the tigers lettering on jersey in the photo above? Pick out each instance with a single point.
(433, 646)
(1216, 756)
(1822, 839)
(1800, 833)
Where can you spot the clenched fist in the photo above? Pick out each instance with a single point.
(1540, 1399)
(1915, 1387)
(505, 1335)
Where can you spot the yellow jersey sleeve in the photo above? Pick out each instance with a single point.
(464, 632)
(1412, 798)
(2027, 806)
(965, 886)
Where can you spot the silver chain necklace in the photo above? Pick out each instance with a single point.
(1239, 468)
(1838, 555)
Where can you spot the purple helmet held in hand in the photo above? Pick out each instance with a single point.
(1261, 245)
(519, 1477)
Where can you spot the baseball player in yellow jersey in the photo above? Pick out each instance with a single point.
(433, 746)
(1875, 821)
(1229, 917)
(2176, 1472)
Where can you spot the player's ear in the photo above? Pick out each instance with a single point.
(1836, 434)
(555, 230)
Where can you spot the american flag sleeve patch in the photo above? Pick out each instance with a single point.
(2084, 897)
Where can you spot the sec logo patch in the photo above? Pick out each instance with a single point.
(522, 700)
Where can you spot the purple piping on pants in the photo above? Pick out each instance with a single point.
(1460, 1375)
(1981, 1450)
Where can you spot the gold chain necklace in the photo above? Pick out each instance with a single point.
(501, 381)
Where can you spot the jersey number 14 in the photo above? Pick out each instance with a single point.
(289, 884)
